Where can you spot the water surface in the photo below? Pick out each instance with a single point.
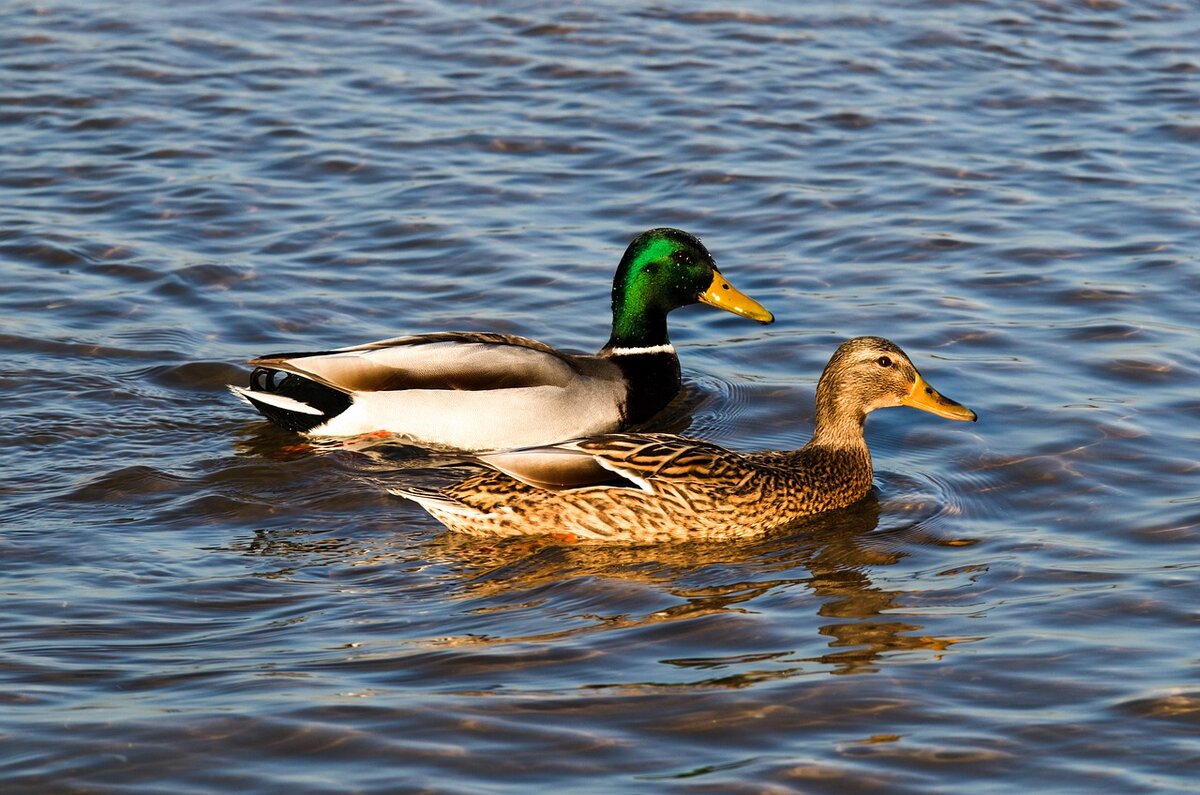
(195, 601)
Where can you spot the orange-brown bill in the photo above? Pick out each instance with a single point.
(924, 397)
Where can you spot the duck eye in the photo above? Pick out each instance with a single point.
(650, 270)
(682, 257)
(884, 361)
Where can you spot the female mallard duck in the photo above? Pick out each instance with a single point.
(477, 391)
(659, 487)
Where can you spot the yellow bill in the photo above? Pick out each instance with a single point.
(924, 397)
(724, 295)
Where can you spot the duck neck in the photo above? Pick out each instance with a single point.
(839, 423)
(637, 327)
(839, 431)
(639, 346)
(839, 450)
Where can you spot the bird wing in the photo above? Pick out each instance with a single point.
(624, 460)
(453, 361)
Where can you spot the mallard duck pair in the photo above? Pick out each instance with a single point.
(489, 391)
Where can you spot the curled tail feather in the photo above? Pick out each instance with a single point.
(291, 401)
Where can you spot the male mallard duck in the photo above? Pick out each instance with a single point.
(659, 487)
(479, 391)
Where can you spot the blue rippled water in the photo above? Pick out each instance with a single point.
(195, 601)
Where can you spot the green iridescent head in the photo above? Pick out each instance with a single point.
(664, 269)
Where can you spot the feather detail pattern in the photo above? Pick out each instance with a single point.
(672, 488)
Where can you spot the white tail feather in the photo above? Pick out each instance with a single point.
(272, 399)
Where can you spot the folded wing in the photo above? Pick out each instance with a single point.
(470, 362)
(626, 460)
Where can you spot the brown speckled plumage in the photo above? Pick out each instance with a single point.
(660, 487)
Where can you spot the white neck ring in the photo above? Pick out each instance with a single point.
(668, 348)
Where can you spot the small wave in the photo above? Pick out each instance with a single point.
(202, 376)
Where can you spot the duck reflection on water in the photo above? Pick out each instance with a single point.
(828, 560)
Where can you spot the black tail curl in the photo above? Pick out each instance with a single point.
(330, 402)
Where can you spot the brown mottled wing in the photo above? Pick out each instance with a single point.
(659, 462)
(623, 460)
(453, 360)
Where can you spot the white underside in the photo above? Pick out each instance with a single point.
(485, 420)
